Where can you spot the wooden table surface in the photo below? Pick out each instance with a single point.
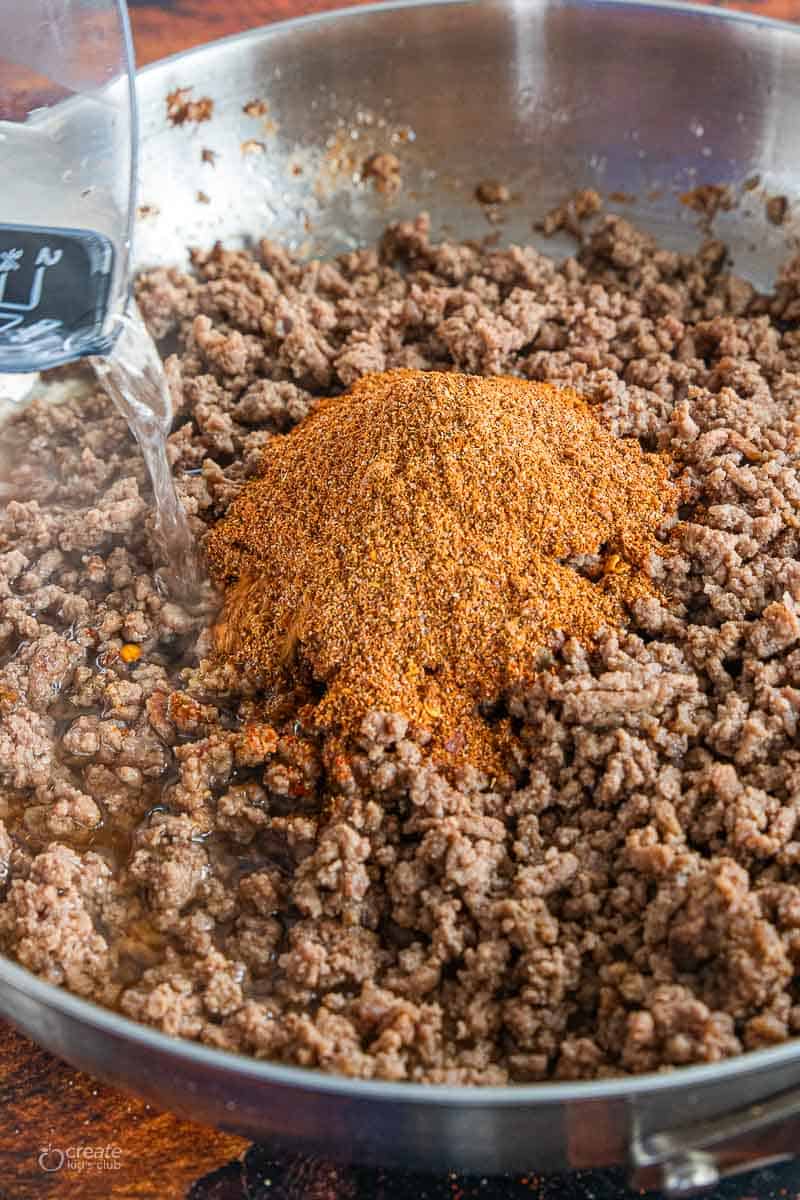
(43, 1102)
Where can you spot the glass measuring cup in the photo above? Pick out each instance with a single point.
(67, 156)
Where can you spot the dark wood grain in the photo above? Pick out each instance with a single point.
(161, 29)
(166, 28)
(44, 1104)
(42, 1101)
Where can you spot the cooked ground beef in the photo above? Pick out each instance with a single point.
(625, 898)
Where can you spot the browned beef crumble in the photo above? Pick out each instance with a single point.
(626, 899)
(492, 191)
(777, 209)
(385, 171)
(182, 107)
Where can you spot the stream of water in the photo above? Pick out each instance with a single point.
(133, 377)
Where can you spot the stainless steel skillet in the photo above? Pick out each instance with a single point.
(645, 100)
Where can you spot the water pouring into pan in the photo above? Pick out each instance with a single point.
(68, 126)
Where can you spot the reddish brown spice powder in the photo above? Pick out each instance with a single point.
(415, 544)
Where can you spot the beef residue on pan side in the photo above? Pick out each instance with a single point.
(176, 842)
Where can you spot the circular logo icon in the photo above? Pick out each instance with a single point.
(51, 1158)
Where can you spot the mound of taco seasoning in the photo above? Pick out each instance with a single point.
(411, 545)
(181, 840)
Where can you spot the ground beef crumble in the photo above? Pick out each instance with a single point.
(626, 898)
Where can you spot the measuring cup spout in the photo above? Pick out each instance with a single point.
(68, 133)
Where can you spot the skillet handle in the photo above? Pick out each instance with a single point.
(689, 1158)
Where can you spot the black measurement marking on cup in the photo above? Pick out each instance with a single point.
(54, 285)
